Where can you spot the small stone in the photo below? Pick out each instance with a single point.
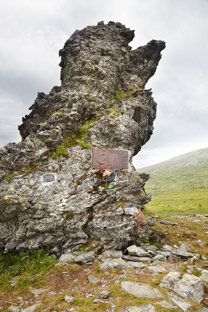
(166, 304)
(136, 265)
(159, 258)
(167, 248)
(182, 254)
(98, 301)
(78, 257)
(33, 278)
(31, 308)
(119, 279)
(150, 221)
(93, 279)
(145, 259)
(203, 310)
(200, 242)
(156, 269)
(89, 295)
(114, 264)
(51, 293)
(150, 248)
(37, 292)
(110, 254)
(178, 301)
(166, 254)
(204, 276)
(68, 299)
(14, 308)
(168, 222)
(136, 251)
(104, 294)
(134, 258)
(194, 258)
(14, 280)
(140, 308)
(184, 247)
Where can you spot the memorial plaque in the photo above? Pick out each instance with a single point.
(109, 159)
(48, 177)
(130, 210)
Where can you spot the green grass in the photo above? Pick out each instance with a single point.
(24, 265)
(179, 186)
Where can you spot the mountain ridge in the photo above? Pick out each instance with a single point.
(179, 185)
(179, 157)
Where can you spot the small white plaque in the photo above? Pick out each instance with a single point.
(130, 210)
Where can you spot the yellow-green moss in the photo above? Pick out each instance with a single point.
(25, 169)
(121, 94)
(68, 213)
(9, 176)
(89, 123)
(59, 113)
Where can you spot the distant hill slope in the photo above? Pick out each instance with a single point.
(179, 185)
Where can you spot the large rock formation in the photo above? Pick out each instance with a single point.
(48, 192)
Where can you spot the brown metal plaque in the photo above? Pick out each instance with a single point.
(109, 159)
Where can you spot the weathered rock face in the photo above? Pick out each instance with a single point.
(48, 192)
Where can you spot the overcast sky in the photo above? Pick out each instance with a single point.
(32, 32)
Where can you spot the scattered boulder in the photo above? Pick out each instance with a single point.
(93, 279)
(107, 254)
(141, 290)
(136, 265)
(139, 308)
(68, 299)
(166, 304)
(187, 286)
(167, 247)
(99, 301)
(31, 308)
(104, 294)
(114, 264)
(182, 254)
(184, 247)
(119, 263)
(136, 259)
(137, 251)
(14, 280)
(156, 268)
(38, 291)
(79, 257)
(14, 309)
(159, 258)
(204, 276)
(168, 222)
(178, 301)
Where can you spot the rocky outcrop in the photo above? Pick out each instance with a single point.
(48, 188)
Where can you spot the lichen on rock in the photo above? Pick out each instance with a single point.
(101, 103)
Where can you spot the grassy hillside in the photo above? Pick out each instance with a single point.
(180, 185)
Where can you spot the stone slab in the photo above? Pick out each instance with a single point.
(141, 290)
